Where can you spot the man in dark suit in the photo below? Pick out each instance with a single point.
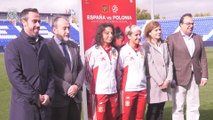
(68, 73)
(29, 71)
(190, 69)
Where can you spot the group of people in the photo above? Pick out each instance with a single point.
(121, 78)
(46, 75)
(122, 81)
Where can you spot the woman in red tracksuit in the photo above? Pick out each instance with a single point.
(101, 63)
(131, 73)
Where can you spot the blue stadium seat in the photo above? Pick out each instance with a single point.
(7, 32)
(74, 33)
(203, 27)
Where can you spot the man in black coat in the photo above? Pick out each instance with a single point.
(29, 71)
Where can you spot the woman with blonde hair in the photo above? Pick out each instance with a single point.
(131, 74)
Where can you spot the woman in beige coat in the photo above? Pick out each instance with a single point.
(159, 70)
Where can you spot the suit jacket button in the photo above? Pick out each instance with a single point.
(38, 89)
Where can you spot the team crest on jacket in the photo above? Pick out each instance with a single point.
(127, 101)
(103, 59)
(142, 54)
(101, 107)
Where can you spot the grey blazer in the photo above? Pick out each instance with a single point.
(158, 69)
(64, 75)
(183, 61)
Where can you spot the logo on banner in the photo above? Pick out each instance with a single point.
(105, 8)
(106, 11)
(114, 8)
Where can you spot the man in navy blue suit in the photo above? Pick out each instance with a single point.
(29, 71)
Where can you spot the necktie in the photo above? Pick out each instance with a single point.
(66, 54)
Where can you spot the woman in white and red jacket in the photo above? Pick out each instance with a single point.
(101, 63)
(131, 73)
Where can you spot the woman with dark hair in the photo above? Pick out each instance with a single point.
(118, 40)
(159, 70)
(101, 62)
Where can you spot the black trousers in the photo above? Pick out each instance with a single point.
(155, 111)
(70, 112)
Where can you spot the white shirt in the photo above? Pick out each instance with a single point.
(58, 42)
(189, 41)
(190, 44)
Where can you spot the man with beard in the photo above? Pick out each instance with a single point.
(68, 73)
(29, 71)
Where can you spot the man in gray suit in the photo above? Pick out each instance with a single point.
(68, 73)
(190, 69)
(29, 71)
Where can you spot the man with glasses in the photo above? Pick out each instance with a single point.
(190, 69)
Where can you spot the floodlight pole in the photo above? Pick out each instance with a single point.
(152, 10)
(84, 95)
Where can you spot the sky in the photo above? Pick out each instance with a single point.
(165, 8)
(176, 8)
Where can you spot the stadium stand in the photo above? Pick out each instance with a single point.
(74, 32)
(203, 27)
(8, 31)
(46, 30)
